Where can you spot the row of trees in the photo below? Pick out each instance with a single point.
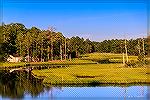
(44, 45)
(39, 45)
(134, 46)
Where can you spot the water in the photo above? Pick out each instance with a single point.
(23, 86)
(133, 92)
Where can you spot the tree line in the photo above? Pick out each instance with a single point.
(45, 45)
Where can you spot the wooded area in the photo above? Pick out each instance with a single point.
(45, 45)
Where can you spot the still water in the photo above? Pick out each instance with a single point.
(26, 87)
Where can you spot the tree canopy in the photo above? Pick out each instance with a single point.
(44, 45)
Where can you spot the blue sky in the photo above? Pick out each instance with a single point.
(96, 21)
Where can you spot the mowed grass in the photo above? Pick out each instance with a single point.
(115, 58)
(91, 74)
(67, 62)
(54, 62)
(91, 58)
(86, 70)
(12, 64)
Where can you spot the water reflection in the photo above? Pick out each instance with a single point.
(17, 84)
(21, 85)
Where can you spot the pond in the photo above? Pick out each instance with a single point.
(20, 85)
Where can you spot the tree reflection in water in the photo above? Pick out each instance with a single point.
(17, 84)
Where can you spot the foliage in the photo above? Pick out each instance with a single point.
(16, 85)
(45, 45)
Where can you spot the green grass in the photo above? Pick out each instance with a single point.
(85, 70)
(89, 74)
(11, 64)
(86, 59)
(67, 62)
(113, 58)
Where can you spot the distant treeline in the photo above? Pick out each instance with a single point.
(44, 45)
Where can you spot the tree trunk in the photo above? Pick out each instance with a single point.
(28, 55)
(70, 56)
(41, 53)
(123, 59)
(76, 53)
(36, 56)
(20, 48)
(48, 52)
(31, 53)
(61, 52)
(51, 51)
(126, 50)
(65, 48)
(143, 47)
(139, 47)
(148, 43)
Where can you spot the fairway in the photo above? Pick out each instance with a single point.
(67, 62)
(95, 73)
(93, 68)
(112, 58)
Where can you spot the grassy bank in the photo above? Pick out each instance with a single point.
(91, 58)
(86, 70)
(93, 74)
(9, 64)
(67, 62)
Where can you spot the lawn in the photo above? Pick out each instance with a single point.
(94, 73)
(54, 62)
(91, 58)
(86, 70)
(67, 62)
(113, 58)
(11, 64)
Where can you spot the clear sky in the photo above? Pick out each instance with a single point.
(95, 20)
